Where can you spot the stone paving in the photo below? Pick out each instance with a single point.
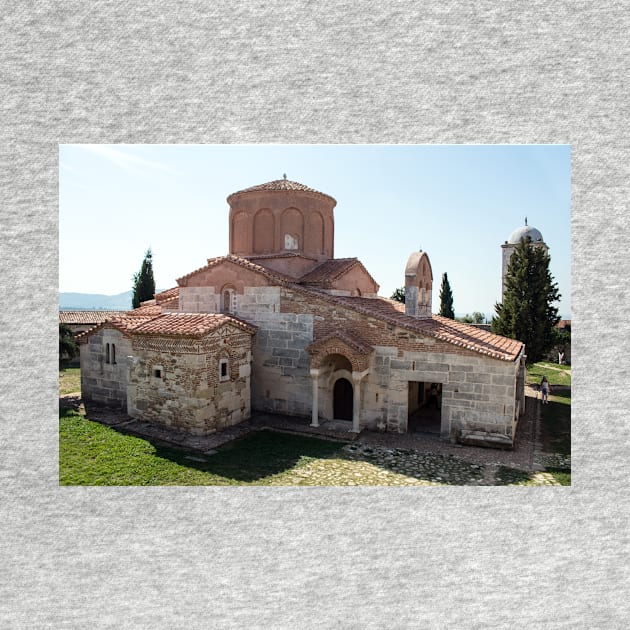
(373, 458)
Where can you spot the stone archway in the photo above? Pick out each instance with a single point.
(343, 395)
(339, 363)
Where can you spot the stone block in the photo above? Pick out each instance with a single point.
(478, 377)
(502, 380)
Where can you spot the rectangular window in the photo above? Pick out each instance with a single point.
(157, 372)
(224, 374)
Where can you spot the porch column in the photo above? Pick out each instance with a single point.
(357, 377)
(315, 416)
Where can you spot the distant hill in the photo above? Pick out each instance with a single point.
(94, 302)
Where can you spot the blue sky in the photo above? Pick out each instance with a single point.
(458, 203)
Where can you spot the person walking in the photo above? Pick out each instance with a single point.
(545, 389)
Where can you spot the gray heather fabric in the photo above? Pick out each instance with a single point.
(301, 72)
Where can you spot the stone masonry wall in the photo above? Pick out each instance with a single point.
(477, 392)
(198, 300)
(281, 380)
(101, 382)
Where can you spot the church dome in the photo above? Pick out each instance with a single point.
(524, 232)
(279, 185)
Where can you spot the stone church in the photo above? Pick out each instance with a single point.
(280, 325)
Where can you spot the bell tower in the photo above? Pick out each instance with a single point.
(418, 285)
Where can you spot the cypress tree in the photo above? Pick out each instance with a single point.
(527, 312)
(143, 282)
(398, 295)
(446, 299)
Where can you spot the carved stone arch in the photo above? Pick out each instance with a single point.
(292, 229)
(264, 228)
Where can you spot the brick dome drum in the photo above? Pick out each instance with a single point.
(282, 217)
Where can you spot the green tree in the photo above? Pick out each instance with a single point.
(476, 318)
(143, 282)
(446, 298)
(399, 295)
(527, 312)
(68, 348)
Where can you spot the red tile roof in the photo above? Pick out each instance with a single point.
(274, 276)
(87, 317)
(391, 311)
(125, 323)
(170, 297)
(147, 309)
(331, 270)
(279, 185)
(190, 324)
(459, 334)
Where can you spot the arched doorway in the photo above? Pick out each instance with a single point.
(342, 399)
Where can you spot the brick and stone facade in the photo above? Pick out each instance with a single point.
(279, 325)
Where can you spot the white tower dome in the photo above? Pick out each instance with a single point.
(527, 231)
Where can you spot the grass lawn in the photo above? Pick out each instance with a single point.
(556, 374)
(96, 455)
(69, 380)
(551, 476)
(556, 424)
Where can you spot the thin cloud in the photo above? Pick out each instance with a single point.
(130, 163)
(70, 169)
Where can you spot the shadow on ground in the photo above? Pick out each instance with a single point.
(256, 456)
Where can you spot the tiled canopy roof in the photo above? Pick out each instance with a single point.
(358, 345)
(87, 317)
(190, 324)
(279, 185)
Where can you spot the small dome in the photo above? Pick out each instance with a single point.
(524, 232)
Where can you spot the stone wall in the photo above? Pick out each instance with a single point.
(178, 382)
(198, 300)
(281, 380)
(102, 382)
(478, 393)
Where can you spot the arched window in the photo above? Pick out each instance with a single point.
(291, 242)
(227, 300)
(106, 353)
(113, 353)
